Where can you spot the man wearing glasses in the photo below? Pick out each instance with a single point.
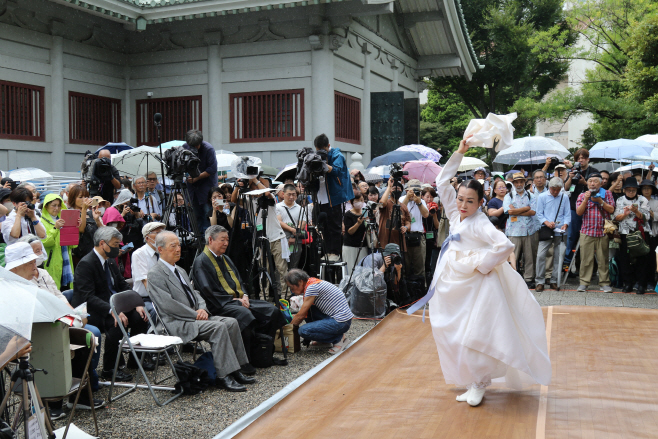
(155, 197)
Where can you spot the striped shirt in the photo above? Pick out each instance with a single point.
(330, 300)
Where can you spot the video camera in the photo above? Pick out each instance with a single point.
(395, 170)
(577, 176)
(95, 171)
(369, 210)
(180, 161)
(310, 165)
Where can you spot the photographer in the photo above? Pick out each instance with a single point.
(145, 201)
(272, 227)
(127, 209)
(156, 196)
(389, 262)
(23, 219)
(632, 213)
(289, 215)
(415, 237)
(392, 232)
(579, 175)
(199, 187)
(335, 189)
(110, 180)
(355, 230)
(222, 214)
(431, 224)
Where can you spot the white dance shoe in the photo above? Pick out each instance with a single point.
(475, 396)
(464, 396)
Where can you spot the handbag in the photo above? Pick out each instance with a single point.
(290, 336)
(545, 232)
(636, 245)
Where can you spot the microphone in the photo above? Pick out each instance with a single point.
(157, 117)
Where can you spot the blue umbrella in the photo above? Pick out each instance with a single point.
(115, 148)
(621, 149)
(396, 157)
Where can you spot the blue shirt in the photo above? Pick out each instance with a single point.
(330, 300)
(520, 225)
(207, 163)
(547, 210)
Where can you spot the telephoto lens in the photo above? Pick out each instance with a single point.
(30, 206)
(396, 260)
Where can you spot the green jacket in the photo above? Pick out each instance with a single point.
(55, 262)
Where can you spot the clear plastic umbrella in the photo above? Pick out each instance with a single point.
(139, 161)
(469, 163)
(224, 159)
(528, 148)
(427, 152)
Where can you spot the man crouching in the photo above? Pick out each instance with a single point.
(183, 312)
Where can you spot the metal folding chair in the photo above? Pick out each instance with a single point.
(123, 303)
(197, 343)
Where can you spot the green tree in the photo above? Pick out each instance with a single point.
(504, 34)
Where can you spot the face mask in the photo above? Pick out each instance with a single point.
(41, 259)
(358, 205)
(101, 210)
(9, 206)
(113, 253)
(65, 198)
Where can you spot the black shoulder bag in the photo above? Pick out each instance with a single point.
(545, 232)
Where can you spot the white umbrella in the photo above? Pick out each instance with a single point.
(527, 148)
(469, 163)
(224, 159)
(379, 170)
(138, 161)
(649, 138)
(28, 174)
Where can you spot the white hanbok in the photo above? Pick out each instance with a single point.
(485, 321)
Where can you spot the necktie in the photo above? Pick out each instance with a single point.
(110, 279)
(157, 256)
(188, 291)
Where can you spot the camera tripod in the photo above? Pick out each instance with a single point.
(315, 229)
(188, 237)
(31, 401)
(262, 262)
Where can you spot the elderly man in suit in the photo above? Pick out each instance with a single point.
(184, 313)
(97, 278)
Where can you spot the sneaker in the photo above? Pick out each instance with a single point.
(582, 288)
(56, 414)
(606, 289)
(333, 258)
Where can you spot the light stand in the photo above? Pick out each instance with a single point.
(157, 118)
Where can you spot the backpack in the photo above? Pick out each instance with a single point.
(206, 362)
(262, 351)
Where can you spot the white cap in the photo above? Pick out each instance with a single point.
(18, 254)
(148, 228)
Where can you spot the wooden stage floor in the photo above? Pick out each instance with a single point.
(389, 385)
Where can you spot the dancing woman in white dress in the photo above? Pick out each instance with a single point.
(485, 321)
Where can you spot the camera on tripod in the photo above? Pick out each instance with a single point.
(95, 171)
(180, 161)
(310, 165)
(264, 202)
(395, 170)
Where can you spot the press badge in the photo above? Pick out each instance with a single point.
(429, 235)
(514, 219)
(259, 227)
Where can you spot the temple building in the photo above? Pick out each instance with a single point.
(258, 77)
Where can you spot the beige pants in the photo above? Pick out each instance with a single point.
(281, 268)
(415, 258)
(526, 245)
(591, 247)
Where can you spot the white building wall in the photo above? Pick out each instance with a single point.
(260, 66)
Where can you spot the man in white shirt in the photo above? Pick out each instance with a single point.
(289, 214)
(143, 259)
(272, 227)
(147, 202)
(155, 194)
(415, 254)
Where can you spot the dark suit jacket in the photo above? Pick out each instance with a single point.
(90, 285)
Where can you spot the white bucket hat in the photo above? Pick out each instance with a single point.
(18, 254)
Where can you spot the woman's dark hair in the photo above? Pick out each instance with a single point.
(127, 184)
(430, 190)
(216, 190)
(475, 185)
(373, 190)
(74, 193)
(611, 179)
(21, 195)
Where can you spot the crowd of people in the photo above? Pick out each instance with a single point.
(395, 227)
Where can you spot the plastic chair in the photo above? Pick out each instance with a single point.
(123, 303)
(81, 337)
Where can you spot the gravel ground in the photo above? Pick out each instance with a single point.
(199, 416)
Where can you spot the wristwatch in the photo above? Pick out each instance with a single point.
(34, 223)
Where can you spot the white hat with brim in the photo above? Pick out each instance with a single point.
(148, 228)
(18, 254)
(124, 196)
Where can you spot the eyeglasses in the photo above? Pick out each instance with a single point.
(152, 179)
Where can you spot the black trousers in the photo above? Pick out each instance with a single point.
(113, 336)
(333, 229)
(636, 271)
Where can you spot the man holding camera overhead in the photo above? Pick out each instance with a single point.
(415, 237)
(201, 185)
(580, 173)
(335, 189)
(23, 219)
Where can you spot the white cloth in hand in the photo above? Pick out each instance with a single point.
(495, 128)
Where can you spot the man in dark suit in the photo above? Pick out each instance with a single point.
(97, 277)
